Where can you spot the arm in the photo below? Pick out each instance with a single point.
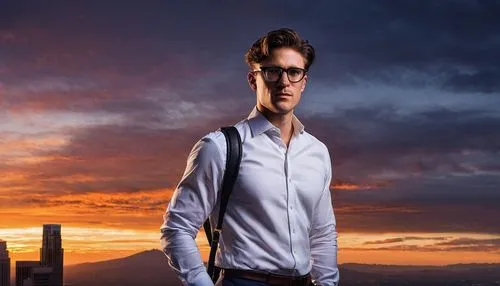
(192, 202)
(323, 237)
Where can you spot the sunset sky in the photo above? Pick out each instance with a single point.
(101, 102)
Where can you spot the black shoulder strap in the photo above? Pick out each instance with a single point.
(233, 160)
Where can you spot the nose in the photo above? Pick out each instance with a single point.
(283, 80)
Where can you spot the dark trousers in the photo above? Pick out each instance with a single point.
(235, 277)
(233, 281)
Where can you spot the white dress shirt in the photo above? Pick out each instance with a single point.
(279, 218)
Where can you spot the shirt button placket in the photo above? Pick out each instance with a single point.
(291, 200)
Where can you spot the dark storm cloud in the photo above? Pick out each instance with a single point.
(451, 39)
(403, 239)
(102, 206)
(422, 143)
(461, 244)
(126, 37)
(471, 241)
(486, 80)
(439, 218)
(474, 248)
(454, 40)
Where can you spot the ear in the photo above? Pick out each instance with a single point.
(252, 81)
(304, 81)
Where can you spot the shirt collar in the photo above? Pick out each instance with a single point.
(259, 123)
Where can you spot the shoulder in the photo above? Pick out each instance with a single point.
(210, 147)
(321, 149)
(317, 144)
(215, 141)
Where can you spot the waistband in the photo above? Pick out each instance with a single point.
(269, 278)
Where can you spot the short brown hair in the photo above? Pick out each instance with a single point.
(282, 38)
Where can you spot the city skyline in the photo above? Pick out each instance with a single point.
(47, 270)
(4, 264)
(100, 105)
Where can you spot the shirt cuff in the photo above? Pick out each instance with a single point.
(202, 279)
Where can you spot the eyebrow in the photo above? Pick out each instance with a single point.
(276, 66)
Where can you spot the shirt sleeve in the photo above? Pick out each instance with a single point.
(323, 238)
(192, 202)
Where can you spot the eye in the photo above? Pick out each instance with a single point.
(274, 70)
(294, 72)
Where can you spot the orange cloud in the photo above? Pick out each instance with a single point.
(32, 143)
(375, 208)
(139, 210)
(350, 186)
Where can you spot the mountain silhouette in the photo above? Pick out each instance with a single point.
(151, 268)
(394, 275)
(144, 268)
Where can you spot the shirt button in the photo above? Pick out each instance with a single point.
(293, 231)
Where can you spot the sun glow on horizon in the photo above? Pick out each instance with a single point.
(91, 244)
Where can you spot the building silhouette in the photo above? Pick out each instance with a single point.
(51, 255)
(4, 264)
(42, 276)
(27, 282)
(24, 270)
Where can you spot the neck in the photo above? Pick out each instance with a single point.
(282, 121)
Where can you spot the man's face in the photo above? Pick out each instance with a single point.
(281, 96)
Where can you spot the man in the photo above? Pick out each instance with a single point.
(279, 227)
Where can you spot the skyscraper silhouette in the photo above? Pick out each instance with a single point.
(24, 270)
(43, 276)
(52, 253)
(4, 264)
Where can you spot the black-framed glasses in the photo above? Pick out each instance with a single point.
(273, 74)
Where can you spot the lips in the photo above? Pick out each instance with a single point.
(283, 94)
